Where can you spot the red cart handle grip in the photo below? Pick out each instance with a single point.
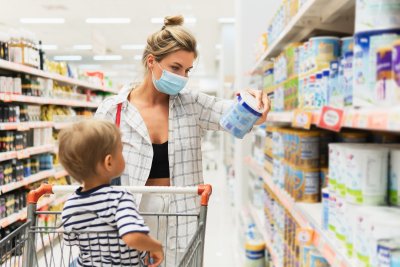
(204, 191)
(34, 195)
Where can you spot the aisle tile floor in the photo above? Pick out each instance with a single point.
(219, 246)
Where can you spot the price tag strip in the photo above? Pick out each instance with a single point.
(331, 119)
(302, 119)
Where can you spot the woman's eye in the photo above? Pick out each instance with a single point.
(174, 68)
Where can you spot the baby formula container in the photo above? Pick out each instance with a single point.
(241, 117)
(377, 15)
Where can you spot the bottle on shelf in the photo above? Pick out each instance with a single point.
(42, 56)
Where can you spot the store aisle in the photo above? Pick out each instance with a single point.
(219, 246)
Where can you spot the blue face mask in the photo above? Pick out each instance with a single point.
(169, 83)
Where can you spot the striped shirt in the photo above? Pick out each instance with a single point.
(191, 114)
(96, 220)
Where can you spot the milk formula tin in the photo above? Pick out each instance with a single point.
(315, 259)
(385, 87)
(377, 15)
(324, 50)
(394, 181)
(241, 117)
(347, 45)
(389, 253)
(366, 173)
(396, 68)
(306, 186)
(366, 46)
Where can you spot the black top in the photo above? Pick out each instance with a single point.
(160, 164)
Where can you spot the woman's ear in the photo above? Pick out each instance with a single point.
(150, 61)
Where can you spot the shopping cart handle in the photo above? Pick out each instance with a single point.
(34, 195)
(205, 191)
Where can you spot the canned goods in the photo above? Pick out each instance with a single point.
(307, 153)
(324, 49)
(396, 68)
(347, 45)
(377, 15)
(366, 46)
(306, 185)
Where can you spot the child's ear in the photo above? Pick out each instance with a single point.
(108, 162)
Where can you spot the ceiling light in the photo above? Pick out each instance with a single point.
(108, 20)
(49, 47)
(83, 47)
(189, 20)
(108, 57)
(67, 58)
(138, 57)
(42, 20)
(226, 20)
(133, 47)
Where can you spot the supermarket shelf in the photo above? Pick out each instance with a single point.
(286, 200)
(310, 18)
(26, 153)
(24, 126)
(261, 229)
(308, 216)
(61, 125)
(21, 215)
(61, 173)
(46, 101)
(322, 240)
(28, 180)
(377, 118)
(11, 66)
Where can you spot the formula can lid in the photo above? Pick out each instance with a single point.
(249, 102)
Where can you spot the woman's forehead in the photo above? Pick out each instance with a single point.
(181, 57)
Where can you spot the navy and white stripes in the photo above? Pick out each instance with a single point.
(96, 220)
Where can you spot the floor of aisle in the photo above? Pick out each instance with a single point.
(219, 246)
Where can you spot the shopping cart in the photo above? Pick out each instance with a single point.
(39, 243)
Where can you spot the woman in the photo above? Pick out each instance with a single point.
(162, 127)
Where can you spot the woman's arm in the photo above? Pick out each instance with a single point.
(210, 109)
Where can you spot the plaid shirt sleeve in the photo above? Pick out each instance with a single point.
(210, 110)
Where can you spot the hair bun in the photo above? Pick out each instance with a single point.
(173, 21)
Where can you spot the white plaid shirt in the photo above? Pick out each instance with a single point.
(190, 115)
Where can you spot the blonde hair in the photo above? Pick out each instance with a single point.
(84, 145)
(171, 38)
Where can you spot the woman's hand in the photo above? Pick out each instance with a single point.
(263, 103)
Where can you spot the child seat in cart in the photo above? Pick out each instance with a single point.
(36, 244)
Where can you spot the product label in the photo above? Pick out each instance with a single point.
(396, 65)
(309, 147)
(383, 256)
(302, 119)
(331, 119)
(393, 189)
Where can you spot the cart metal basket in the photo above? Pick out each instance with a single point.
(38, 243)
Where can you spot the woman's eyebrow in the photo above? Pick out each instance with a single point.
(180, 65)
